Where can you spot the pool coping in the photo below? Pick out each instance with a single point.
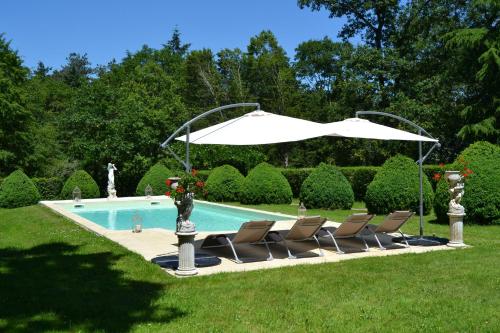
(154, 242)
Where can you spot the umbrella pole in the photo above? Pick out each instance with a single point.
(187, 164)
(421, 239)
(420, 179)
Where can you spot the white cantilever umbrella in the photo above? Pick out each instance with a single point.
(365, 129)
(257, 128)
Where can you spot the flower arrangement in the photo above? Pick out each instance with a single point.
(189, 183)
(465, 172)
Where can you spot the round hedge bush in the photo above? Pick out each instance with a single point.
(224, 184)
(156, 177)
(17, 190)
(84, 181)
(482, 191)
(396, 187)
(327, 187)
(265, 184)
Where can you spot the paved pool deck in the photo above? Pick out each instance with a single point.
(151, 243)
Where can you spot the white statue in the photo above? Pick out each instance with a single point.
(111, 181)
(456, 190)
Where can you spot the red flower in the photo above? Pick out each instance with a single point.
(441, 165)
(467, 172)
(194, 172)
(180, 189)
(167, 194)
(437, 176)
(168, 182)
(199, 183)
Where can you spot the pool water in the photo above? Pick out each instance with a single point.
(206, 217)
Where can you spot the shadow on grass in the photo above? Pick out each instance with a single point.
(52, 287)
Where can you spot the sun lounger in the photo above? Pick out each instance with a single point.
(352, 227)
(392, 223)
(253, 232)
(303, 229)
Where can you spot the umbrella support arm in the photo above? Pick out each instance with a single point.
(409, 122)
(187, 126)
(420, 158)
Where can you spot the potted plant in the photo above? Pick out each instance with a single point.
(183, 191)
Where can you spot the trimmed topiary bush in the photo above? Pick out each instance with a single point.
(441, 200)
(482, 190)
(156, 177)
(203, 174)
(84, 181)
(396, 187)
(49, 188)
(265, 184)
(327, 187)
(17, 190)
(224, 184)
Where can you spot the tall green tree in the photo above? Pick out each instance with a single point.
(268, 74)
(15, 118)
(122, 117)
(477, 48)
(230, 66)
(76, 72)
(203, 86)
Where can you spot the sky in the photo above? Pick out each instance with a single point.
(49, 31)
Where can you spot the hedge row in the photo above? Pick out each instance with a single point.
(49, 188)
(359, 177)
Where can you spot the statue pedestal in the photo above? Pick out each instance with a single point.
(456, 230)
(186, 254)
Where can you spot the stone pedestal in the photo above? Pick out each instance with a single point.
(456, 230)
(186, 254)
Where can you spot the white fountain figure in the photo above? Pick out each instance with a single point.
(111, 181)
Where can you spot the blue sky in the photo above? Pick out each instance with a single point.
(49, 30)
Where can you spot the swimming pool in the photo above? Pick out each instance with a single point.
(206, 216)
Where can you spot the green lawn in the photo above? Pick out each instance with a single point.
(55, 276)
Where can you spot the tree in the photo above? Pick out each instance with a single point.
(374, 20)
(123, 116)
(478, 49)
(321, 63)
(230, 66)
(175, 45)
(76, 72)
(41, 71)
(268, 73)
(15, 119)
(202, 80)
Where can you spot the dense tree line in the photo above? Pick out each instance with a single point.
(436, 63)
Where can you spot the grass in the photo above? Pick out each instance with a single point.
(55, 276)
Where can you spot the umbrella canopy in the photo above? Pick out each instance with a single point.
(257, 128)
(365, 129)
